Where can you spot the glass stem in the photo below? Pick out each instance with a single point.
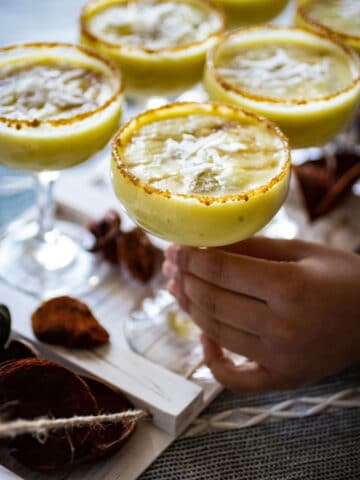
(44, 184)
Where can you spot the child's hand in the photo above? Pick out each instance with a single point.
(291, 307)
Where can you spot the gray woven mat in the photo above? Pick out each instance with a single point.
(326, 447)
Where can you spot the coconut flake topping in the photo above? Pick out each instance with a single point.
(288, 71)
(50, 91)
(154, 24)
(204, 155)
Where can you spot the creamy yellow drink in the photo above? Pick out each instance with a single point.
(59, 104)
(341, 17)
(200, 174)
(251, 12)
(305, 82)
(160, 45)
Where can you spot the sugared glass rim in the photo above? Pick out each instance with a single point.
(243, 32)
(61, 122)
(306, 17)
(123, 137)
(93, 6)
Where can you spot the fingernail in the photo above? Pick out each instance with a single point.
(171, 253)
(182, 299)
(171, 286)
(182, 257)
(169, 269)
(205, 340)
(208, 343)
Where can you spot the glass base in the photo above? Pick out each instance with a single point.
(159, 331)
(58, 265)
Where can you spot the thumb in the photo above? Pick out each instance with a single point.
(249, 377)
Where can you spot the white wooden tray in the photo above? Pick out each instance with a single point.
(173, 401)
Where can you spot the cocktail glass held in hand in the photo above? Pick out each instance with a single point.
(203, 175)
(59, 104)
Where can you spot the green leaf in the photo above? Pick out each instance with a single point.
(5, 325)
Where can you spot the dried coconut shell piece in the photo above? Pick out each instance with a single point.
(23, 395)
(106, 232)
(133, 249)
(68, 322)
(111, 437)
(138, 254)
(41, 388)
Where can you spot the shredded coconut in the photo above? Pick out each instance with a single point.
(340, 15)
(154, 25)
(50, 91)
(286, 72)
(204, 155)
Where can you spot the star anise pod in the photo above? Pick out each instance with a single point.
(107, 233)
(138, 254)
(134, 248)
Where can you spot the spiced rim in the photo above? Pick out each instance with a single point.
(36, 123)
(91, 8)
(301, 11)
(210, 108)
(331, 38)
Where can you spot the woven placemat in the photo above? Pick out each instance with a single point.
(323, 447)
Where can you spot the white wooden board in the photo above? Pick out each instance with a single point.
(172, 400)
(5, 474)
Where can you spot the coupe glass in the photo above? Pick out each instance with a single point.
(342, 19)
(161, 63)
(185, 219)
(45, 257)
(307, 123)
